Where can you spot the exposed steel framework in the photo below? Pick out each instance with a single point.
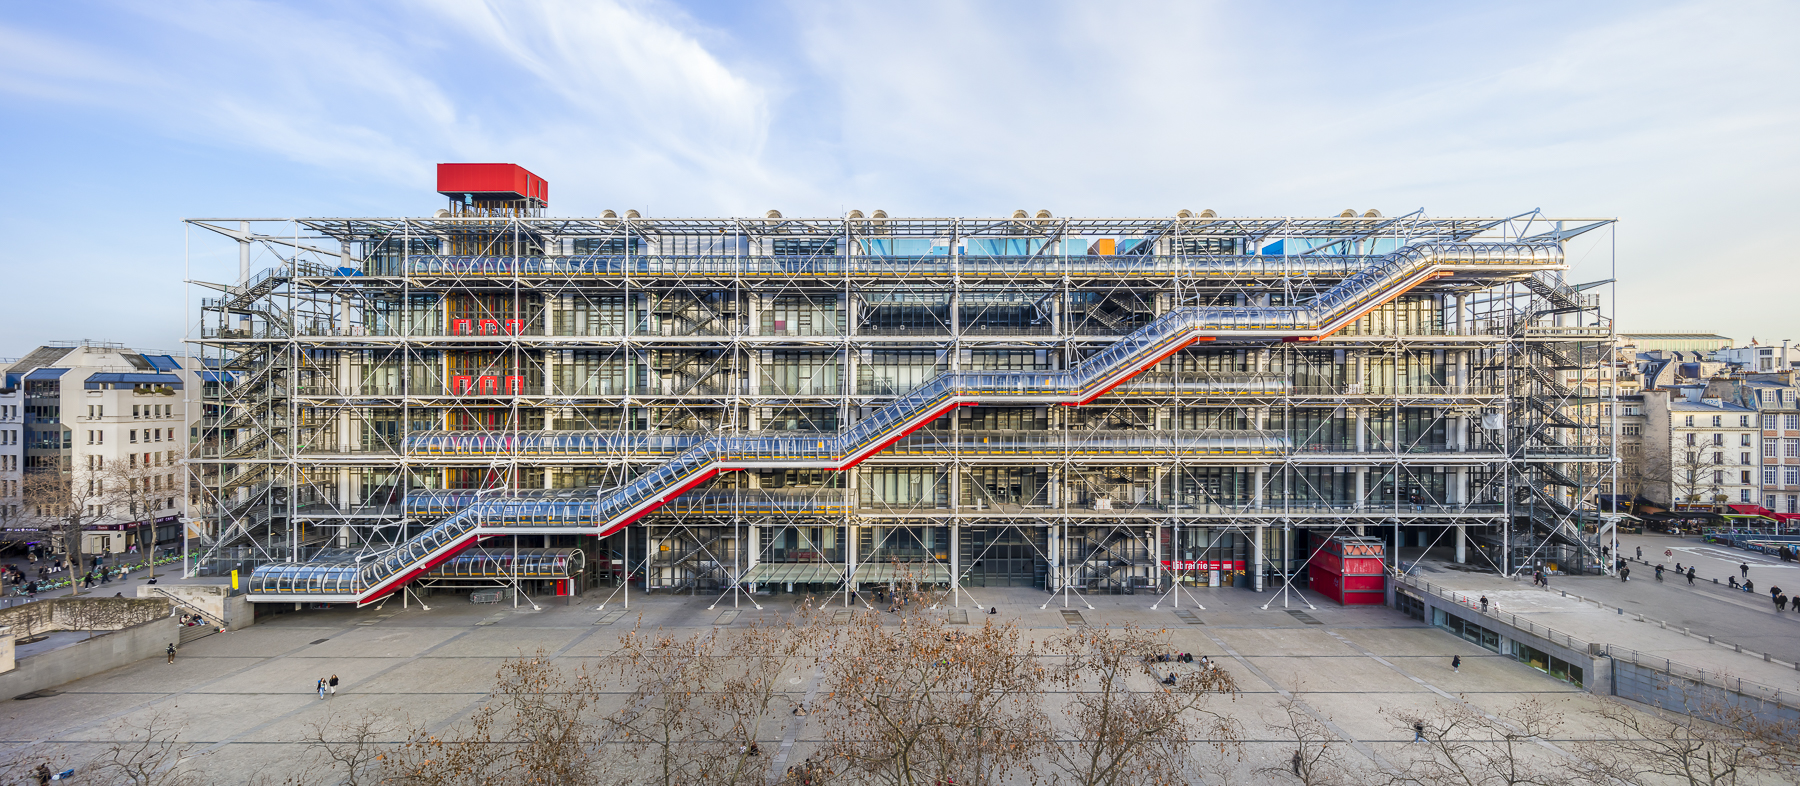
(381, 377)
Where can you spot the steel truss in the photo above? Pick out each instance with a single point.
(1448, 407)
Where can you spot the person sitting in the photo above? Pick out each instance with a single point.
(1749, 586)
(1732, 582)
(994, 610)
(1169, 680)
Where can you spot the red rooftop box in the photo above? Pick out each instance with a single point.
(493, 183)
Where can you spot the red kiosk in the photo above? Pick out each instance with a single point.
(1350, 570)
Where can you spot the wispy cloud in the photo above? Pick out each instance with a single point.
(1674, 116)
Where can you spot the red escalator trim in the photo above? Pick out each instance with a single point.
(1436, 274)
(382, 589)
(679, 490)
(1140, 369)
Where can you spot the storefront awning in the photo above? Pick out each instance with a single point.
(904, 572)
(794, 573)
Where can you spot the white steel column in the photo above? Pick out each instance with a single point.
(1256, 559)
(851, 561)
(956, 563)
(1462, 544)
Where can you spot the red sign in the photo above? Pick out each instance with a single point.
(1200, 564)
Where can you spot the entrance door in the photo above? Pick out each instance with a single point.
(1004, 556)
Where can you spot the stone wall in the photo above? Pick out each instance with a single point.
(83, 613)
(87, 658)
(1678, 693)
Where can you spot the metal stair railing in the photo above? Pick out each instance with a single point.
(605, 511)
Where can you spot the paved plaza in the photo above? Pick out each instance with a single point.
(247, 699)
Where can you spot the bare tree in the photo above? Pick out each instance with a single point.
(923, 704)
(665, 711)
(1463, 746)
(546, 709)
(353, 747)
(66, 504)
(1706, 744)
(1133, 716)
(750, 695)
(139, 490)
(149, 753)
(1318, 757)
(1690, 474)
(467, 756)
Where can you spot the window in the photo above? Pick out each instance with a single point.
(1768, 422)
(1744, 421)
(134, 411)
(1793, 503)
(1792, 448)
(1718, 420)
(1718, 439)
(1718, 479)
(1743, 495)
(1690, 421)
(1632, 430)
(1690, 439)
(1768, 477)
(1792, 422)
(1769, 447)
(134, 436)
(1744, 478)
(1743, 458)
(1791, 476)
(1718, 458)
(1744, 440)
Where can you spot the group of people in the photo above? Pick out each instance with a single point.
(1780, 599)
(1788, 554)
(1539, 578)
(808, 772)
(328, 686)
(1150, 661)
(192, 620)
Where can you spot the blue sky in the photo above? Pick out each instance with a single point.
(1677, 118)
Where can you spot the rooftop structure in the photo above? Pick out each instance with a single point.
(1084, 404)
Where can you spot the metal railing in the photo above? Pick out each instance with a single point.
(1493, 611)
(603, 511)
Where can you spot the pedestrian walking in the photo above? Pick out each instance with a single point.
(1781, 603)
(1659, 571)
(1456, 664)
(332, 684)
(1640, 552)
(1690, 575)
(171, 652)
(1418, 731)
(1744, 568)
(1624, 574)
(321, 687)
(1484, 604)
(1296, 760)
(1773, 591)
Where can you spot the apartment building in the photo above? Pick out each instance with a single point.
(114, 422)
(825, 403)
(1777, 400)
(12, 450)
(1760, 359)
(1712, 451)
